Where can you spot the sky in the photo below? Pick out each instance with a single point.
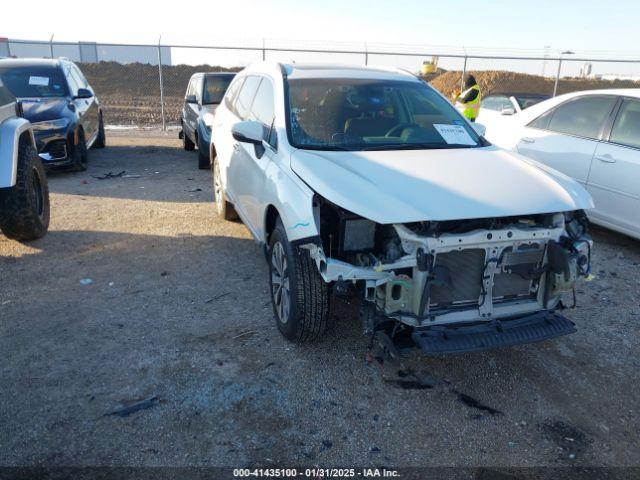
(580, 26)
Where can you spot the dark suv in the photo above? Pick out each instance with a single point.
(60, 104)
(204, 94)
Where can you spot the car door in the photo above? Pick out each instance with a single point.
(92, 115)
(193, 109)
(80, 104)
(566, 137)
(250, 161)
(236, 186)
(614, 181)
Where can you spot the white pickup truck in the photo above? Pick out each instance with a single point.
(24, 193)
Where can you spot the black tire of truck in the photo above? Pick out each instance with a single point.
(203, 156)
(24, 208)
(299, 296)
(79, 154)
(101, 139)
(187, 144)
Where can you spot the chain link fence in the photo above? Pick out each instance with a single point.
(144, 85)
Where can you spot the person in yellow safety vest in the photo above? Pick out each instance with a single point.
(468, 102)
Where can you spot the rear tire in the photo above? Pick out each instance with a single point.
(299, 296)
(223, 207)
(24, 208)
(101, 139)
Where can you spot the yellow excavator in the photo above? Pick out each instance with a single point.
(429, 67)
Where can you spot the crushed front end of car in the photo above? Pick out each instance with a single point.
(457, 286)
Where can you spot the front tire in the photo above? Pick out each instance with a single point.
(299, 296)
(101, 139)
(24, 208)
(223, 207)
(80, 155)
(187, 144)
(204, 163)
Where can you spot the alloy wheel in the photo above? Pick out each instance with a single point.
(280, 282)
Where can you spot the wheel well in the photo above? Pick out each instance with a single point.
(270, 222)
(26, 138)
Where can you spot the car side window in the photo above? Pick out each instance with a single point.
(583, 117)
(230, 95)
(72, 81)
(262, 110)
(245, 97)
(542, 121)
(79, 76)
(190, 87)
(626, 128)
(198, 89)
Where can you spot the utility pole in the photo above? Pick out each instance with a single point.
(164, 125)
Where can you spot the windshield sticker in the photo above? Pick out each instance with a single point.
(454, 134)
(40, 81)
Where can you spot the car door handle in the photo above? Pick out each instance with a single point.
(606, 158)
(529, 140)
(236, 146)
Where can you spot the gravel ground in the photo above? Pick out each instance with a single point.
(140, 294)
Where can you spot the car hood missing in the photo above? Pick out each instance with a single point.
(437, 185)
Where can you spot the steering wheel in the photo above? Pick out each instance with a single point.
(400, 128)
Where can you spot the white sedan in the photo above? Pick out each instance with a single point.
(592, 136)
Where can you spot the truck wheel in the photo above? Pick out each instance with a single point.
(24, 208)
(203, 157)
(223, 207)
(299, 295)
(187, 144)
(80, 156)
(101, 139)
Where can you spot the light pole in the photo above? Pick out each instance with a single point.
(555, 86)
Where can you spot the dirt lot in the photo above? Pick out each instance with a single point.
(138, 293)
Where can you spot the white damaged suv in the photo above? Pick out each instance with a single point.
(369, 180)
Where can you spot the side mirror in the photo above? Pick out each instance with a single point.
(508, 111)
(83, 93)
(248, 131)
(191, 99)
(479, 128)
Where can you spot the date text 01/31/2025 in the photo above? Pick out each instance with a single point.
(315, 473)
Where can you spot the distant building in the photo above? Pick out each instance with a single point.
(90, 52)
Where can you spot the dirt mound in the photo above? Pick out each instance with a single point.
(130, 93)
(500, 81)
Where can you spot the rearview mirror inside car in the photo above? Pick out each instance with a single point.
(479, 128)
(248, 131)
(191, 99)
(83, 93)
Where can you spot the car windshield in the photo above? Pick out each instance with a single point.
(29, 82)
(526, 101)
(215, 87)
(357, 114)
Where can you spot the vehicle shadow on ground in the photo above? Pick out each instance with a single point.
(152, 173)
